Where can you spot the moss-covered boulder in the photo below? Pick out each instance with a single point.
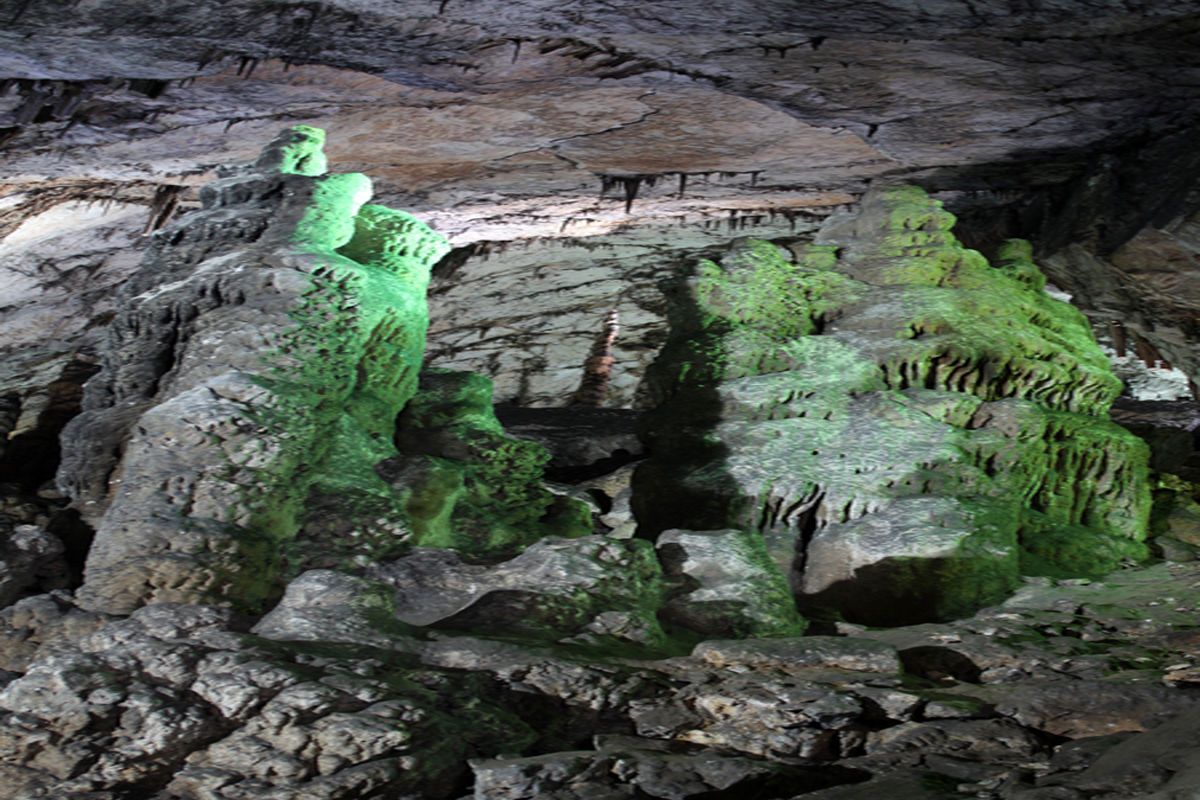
(907, 426)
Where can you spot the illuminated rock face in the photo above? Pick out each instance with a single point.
(908, 427)
(261, 354)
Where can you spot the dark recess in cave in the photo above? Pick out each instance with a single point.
(584, 443)
(31, 457)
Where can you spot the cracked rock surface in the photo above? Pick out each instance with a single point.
(579, 158)
(1069, 690)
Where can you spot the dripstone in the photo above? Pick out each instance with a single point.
(905, 426)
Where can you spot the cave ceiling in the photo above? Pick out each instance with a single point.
(574, 153)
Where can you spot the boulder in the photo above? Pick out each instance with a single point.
(592, 587)
(729, 587)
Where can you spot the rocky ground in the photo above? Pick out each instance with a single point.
(1068, 690)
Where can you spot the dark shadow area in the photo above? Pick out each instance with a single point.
(31, 457)
(584, 443)
(905, 591)
(1103, 194)
(28, 463)
(1170, 427)
(76, 536)
(939, 664)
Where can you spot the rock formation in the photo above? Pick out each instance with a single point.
(250, 388)
(887, 541)
(907, 427)
(249, 365)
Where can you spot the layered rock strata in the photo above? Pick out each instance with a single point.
(906, 426)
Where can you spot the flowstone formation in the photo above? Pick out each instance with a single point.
(908, 428)
(250, 389)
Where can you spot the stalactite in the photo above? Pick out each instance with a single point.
(246, 66)
(162, 207)
(630, 185)
(1147, 352)
(597, 369)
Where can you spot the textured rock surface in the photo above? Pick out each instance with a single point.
(468, 485)
(906, 426)
(273, 334)
(728, 586)
(596, 587)
(576, 156)
(1065, 122)
(179, 702)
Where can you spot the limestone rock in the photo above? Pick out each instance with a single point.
(282, 324)
(89, 248)
(175, 696)
(993, 741)
(575, 156)
(466, 484)
(625, 766)
(29, 557)
(766, 715)
(1158, 764)
(829, 652)
(232, 715)
(43, 620)
(851, 411)
(730, 588)
(591, 585)
(911, 784)
(328, 606)
(575, 685)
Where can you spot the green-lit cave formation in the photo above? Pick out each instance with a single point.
(287, 332)
(599, 400)
(885, 426)
(909, 428)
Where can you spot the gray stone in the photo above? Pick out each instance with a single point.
(29, 556)
(732, 588)
(174, 695)
(554, 586)
(833, 652)
(1161, 763)
(328, 606)
(43, 620)
(990, 741)
(784, 718)
(625, 766)
(910, 784)
(540, 670)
